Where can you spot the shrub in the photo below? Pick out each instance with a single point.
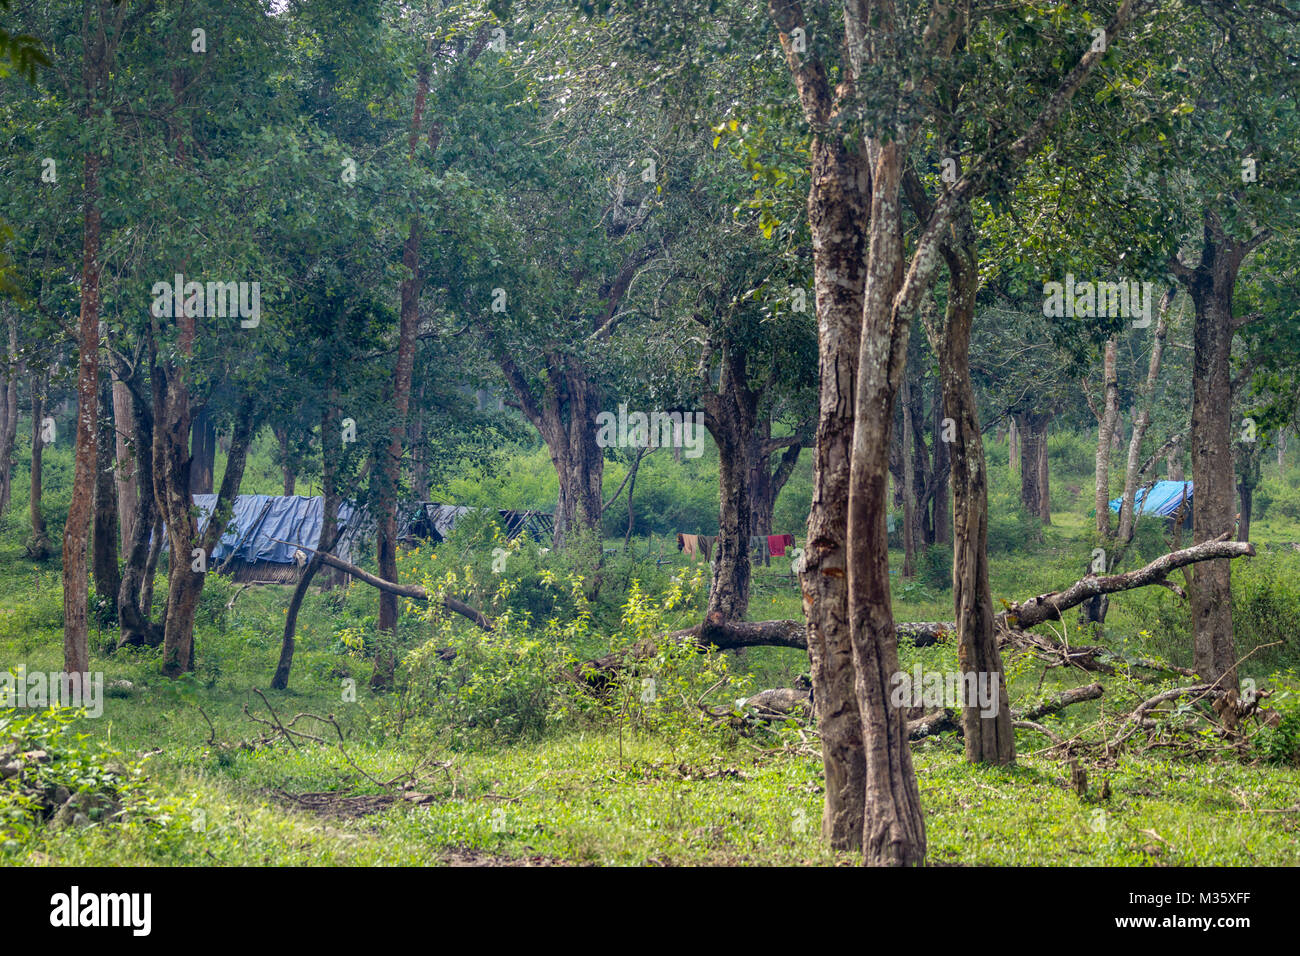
(934, 567)
(1011, 528)
(1280, 743)
(51, 776)
(1071, 453)
(1266, 606)
(473, 686)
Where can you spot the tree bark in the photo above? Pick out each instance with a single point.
(1049, 607)
(1248, 475)
(1211, 286)
(135, 595)
(894, 831)
(390, 459)
(329, 535)
(730, 416)
(1032, 430)
(10, 372)
(1106, 422)
(909, 485)
(203, 452)
(76, 649)
(108, 576)
(987, 739)
(126, 470)
(287, 472)
(943, 516)
(838, 206)
(38, 543)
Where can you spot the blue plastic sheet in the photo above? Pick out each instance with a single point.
(270, 527)
(1163, 498)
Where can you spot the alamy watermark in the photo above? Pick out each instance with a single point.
(626, 429)
(1121, 299)
(947, 689)
(212, 299)
(38, 690)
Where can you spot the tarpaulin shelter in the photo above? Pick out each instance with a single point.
(433, 521)
(1163, 499)
(269, 538)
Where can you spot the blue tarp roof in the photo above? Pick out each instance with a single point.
(260, 523)
(1163, 498)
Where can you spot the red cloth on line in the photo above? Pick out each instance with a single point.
(777, 543)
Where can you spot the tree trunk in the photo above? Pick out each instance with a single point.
(330, 451)
(1211, 287)
(10, 372)
(108, 576)
(909, 485)
(38, 544)
(184, 580)
(203, 453)
(894, 831)
(127, 469)
(1106, 422)
(922, 469)
(943, 519)
(730, 414)
(1032, 430)
(838, 205)
(389, 469)
(1044, 480)
(135, 595)
(290, 477)
(1174, 460)
(76, 646)
(1247, 491)
(987, 738)
(1013, 445)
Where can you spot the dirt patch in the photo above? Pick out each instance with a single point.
(345, 806)
(463, 856)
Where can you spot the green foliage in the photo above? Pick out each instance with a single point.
(1280, 743)
(1011, 528)
(1071, 454)
(1266, 606)
(661, 694)
(68, 764)
(934, 567)
(476, 687)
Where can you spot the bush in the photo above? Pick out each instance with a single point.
(1265, 492)
(50, 776)
(1149, 538)
(1280, 744)
(1011, 528)
(1287, 503)
(1266, 606)
(934, 567)
(1069, 453)
(474, 687)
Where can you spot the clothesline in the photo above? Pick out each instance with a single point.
(764, 546)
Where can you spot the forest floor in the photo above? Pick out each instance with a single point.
(219, 788)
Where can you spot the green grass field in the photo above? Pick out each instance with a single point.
(495, 762)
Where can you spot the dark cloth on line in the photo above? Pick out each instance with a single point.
(777, 543)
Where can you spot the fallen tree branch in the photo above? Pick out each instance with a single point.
(1058, 702)
(413, 591)
(1050, 606)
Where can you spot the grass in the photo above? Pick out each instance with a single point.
(592, 790)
